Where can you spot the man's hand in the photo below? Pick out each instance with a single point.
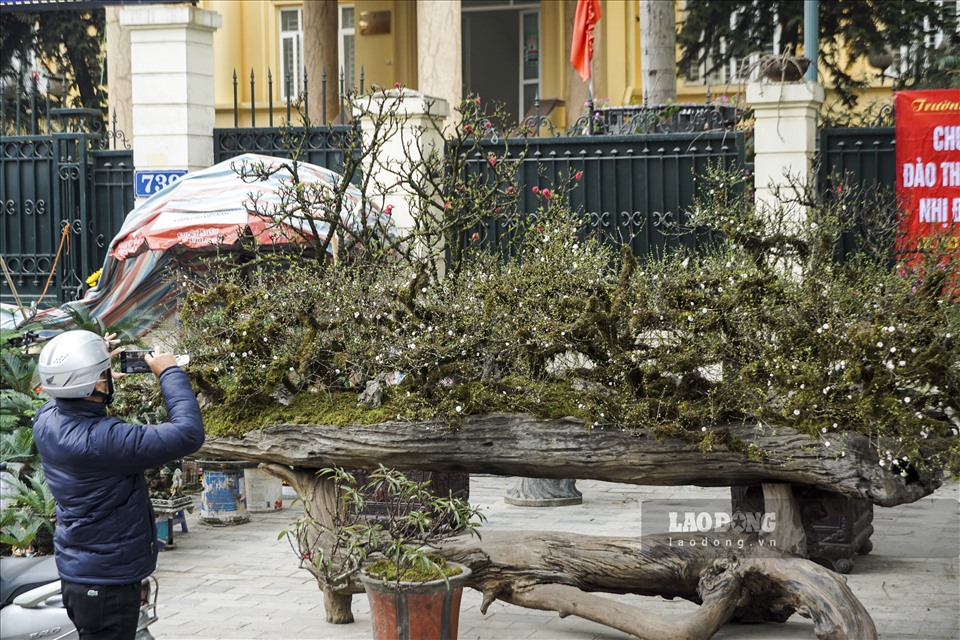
(112, 341)
(159, 362)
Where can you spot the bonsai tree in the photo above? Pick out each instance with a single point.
(756, 356)
(397, 546)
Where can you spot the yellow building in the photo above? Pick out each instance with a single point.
(507, 51)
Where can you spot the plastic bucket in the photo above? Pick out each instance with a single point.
(223, 500)
(264, 492)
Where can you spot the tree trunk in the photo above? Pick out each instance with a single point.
(321, 53)
(658, 52)
(527, 446)
(318, 496)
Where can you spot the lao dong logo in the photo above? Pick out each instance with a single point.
(721, 528)
(720, 521)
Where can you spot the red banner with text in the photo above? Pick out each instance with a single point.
(928, 166)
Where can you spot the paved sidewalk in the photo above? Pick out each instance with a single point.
(242, 582)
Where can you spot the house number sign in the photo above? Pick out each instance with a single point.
(147, 183)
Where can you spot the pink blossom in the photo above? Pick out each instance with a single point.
(547, 194)
(536, 189)
(578, 175)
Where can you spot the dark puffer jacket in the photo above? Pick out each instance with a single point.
(94, 465)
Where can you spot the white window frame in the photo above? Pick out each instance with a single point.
(731, 73)
(342, 34)
(296, 37)
(734, 74)
(524, 83)
(933, 40)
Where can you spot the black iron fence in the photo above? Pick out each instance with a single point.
(64, 195)
(322, 144)
(632, 190)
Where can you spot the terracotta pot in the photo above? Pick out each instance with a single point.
(416, 610)
(880, 58)
(784, 69)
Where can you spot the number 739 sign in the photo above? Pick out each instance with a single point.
(147, 183)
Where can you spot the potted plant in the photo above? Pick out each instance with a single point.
(413, 592)
(783, 67)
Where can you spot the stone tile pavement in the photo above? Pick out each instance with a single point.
(242, 582)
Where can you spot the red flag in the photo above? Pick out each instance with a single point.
(581, 50)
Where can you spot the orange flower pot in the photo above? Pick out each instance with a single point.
(415, 610)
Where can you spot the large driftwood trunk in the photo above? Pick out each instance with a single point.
(561, 572)
(524, 445)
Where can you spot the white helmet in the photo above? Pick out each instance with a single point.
(70, 365)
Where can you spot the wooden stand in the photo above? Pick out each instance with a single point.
(837, 528)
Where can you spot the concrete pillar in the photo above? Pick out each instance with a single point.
(784, 136)
(171, 70)
(418, 118)
(439, 55)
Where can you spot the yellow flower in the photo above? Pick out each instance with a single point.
(94, 277)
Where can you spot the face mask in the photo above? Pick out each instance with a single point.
(108, 396)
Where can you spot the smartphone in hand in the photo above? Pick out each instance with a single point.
(132, 361)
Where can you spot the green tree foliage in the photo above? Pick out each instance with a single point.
(849, 30)
(66, 44)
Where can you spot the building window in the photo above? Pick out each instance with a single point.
(934, 38)
(291, 53)
(911, 58)
(736, 70)
(348, 52)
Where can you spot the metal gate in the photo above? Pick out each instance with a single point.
(64, 197)
(862, 159)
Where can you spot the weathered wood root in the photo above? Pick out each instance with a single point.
(561, 572)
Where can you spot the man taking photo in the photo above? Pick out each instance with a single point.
(105, 541)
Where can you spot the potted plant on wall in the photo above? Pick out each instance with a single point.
(781, 67)
(413, 592)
